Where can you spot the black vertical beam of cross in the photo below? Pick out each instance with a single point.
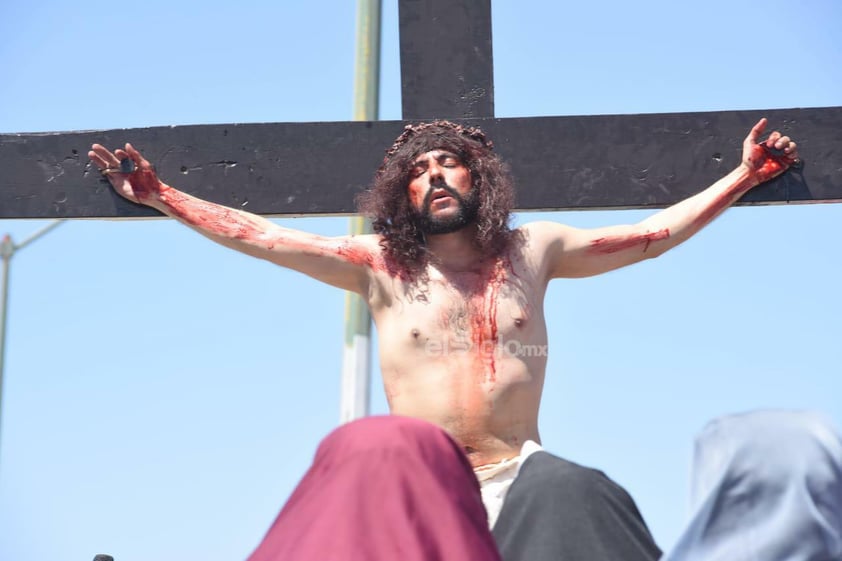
(446, 59)
(561, 163)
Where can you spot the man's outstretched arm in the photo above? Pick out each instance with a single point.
(573, 252)
(344, 262)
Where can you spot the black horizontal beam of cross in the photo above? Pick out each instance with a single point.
(587, 162)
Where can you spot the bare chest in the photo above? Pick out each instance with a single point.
(475, 312)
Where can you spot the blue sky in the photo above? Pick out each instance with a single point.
(163, 395)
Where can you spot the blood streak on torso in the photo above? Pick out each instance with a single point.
(483, 294)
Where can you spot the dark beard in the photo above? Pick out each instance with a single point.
(466, 214)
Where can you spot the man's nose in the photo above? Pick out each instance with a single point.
(436, 173)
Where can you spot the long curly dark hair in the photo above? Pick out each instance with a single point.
(388, 206)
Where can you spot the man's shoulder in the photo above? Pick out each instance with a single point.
(368, 240)
(542, 229)
(544, 239)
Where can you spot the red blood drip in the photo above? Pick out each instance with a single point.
(416, 195)
(484, 332)
(358, 255)
(227, 222)
(216, 219)
(613, 244)
(723, 201)
(492, 327)
(766, 163)
(145, 183)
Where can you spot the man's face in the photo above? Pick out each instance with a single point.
(441, 192)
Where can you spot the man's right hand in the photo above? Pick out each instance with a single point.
(140, 186)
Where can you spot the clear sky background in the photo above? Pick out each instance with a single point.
(164, 395)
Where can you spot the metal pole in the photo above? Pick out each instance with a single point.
(7, 251)
(356, 356)
(38, 234)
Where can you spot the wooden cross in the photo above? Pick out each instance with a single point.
(608, 162)
(628, 161)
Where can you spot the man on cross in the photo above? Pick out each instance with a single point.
(457, 298)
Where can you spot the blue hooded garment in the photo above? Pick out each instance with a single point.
(767, 486)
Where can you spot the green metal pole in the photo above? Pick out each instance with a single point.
(356, 359)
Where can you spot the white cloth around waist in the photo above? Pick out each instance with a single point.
(495, 479)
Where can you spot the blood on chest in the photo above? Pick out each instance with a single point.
(470, 327)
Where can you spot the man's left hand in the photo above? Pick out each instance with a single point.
(769, 158)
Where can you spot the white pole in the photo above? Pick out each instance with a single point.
(7, 251)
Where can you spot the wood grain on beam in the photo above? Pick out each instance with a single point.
(288, 169)
(446, 59)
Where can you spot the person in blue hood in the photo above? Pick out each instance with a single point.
(767, 486)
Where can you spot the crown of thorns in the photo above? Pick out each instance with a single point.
(409, 131)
